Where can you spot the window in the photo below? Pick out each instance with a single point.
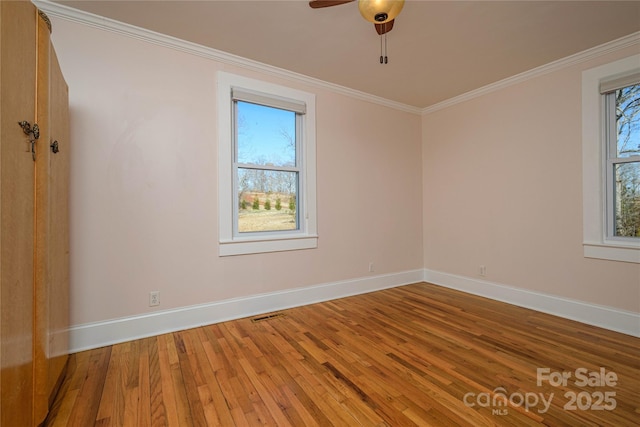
(266, 167)
(611, 160)
(622, 136)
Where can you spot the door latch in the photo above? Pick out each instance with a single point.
(33, 133)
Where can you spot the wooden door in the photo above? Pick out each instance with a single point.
(51, 291)
(17, 77)
(58, 328)
(41, 277)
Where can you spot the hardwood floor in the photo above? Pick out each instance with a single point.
(414, 355)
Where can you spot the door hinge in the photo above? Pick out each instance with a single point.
(33, 132)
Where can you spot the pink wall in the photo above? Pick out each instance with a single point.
(502, 188)
(144, 183)
(493, 181)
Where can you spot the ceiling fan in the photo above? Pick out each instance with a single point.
(381, 12)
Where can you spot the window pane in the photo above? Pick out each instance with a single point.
(267, 200)
(266, 135)
(628, 121)
(627, 199)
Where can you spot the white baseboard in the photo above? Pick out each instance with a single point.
(93, 335)
(605, 317)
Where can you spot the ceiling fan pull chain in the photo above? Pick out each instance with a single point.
(383, 46)
(386, 60)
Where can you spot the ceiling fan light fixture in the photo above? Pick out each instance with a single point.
(380, 11)
(381, 17)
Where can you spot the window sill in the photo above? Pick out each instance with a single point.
(613, 252)
(257, 246)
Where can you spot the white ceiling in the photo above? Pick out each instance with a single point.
(437, 49)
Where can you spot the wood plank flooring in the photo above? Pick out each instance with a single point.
(417, 355)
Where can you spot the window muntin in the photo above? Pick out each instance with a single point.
(622, 124)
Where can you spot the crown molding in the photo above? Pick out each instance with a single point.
(111, 25)
(586, 55)
(107, 24)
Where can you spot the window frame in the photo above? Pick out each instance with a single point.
(296, 168)
(598, 237)
(612, 160)
(231, 242)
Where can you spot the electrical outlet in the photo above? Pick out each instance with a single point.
(371, 270)
(482, 270)
(154, 298)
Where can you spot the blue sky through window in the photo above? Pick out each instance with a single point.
(266, 135)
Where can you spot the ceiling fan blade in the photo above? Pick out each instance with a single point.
(317, 4)
(384, 28)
